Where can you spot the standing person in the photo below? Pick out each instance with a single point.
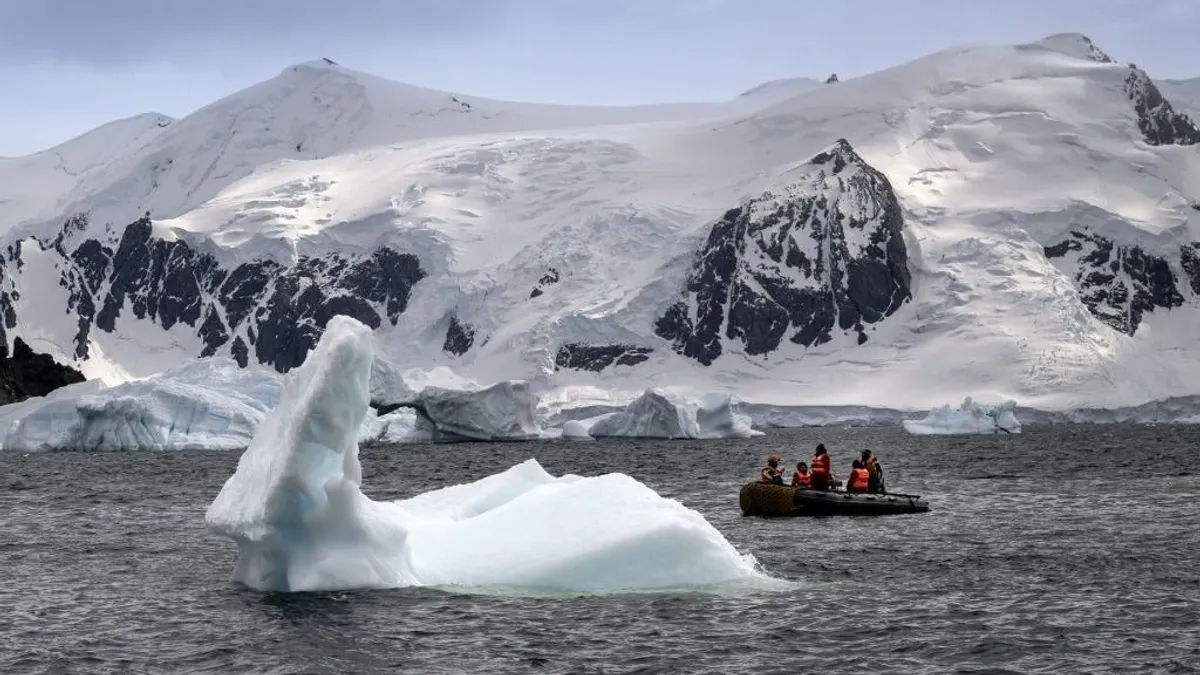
(771, 473)
(822, 475)
(875, 471)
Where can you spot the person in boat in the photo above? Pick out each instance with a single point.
(860, 478)
(875, 472)
(801, 478)
(771, 473)
(822, 475)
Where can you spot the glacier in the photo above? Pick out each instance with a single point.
(968, 418)
(296, 510)
(1006, 222)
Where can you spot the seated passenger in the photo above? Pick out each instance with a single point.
(801, 478)
(771, 473)
(821, 474)
(871, 464)
(860, 479)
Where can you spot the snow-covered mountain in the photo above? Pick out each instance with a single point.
(997, 221)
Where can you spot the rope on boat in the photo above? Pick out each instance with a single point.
(762, 499)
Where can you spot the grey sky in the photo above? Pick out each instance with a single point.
(69, 65)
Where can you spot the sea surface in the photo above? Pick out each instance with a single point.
(1068, 549)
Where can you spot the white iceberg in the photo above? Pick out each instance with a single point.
(206, 403)
(402, 425)
(504, 411)
(13, 413)
(658, 414)
(969, 418)
(301, 522)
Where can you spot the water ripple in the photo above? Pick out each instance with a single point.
(1079, 559)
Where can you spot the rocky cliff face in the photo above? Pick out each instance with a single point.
(821, 255)
(25, 374)
(258, 308)
(1121, 283)
(1158, 120)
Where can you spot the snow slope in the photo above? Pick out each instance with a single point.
(1045, 202)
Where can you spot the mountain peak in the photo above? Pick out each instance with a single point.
(839, 154)
(314, 64)
(1076, 45)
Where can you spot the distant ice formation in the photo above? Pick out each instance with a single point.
(969, 418)
(659, 414)
(295, 508)
(201, 404)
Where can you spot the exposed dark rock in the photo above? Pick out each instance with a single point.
(580, 356)
(27, 374)
(459, 337)
(550, 277)
(1119, 284)
(1189, 260)
(822, 254)
(284, 308)
(832, 79)
(1158, 121)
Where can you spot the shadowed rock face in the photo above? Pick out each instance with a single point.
(459, 337)
(822, 254)
(1157, 119)
(258, 309)
(595, 358)
(25, 374)
(1120, 284)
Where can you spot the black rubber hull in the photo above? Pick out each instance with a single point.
(781, 501)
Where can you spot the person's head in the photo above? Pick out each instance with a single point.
(857, 464)
(820, 449)
(866, 454)
(773, 459)
(801, 466)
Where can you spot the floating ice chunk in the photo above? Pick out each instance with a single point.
(969, 418)
(12, 413)
(657, 414)
(402, 425)
(577, 430)
(502, 412)
(205, 403)
(295, 508)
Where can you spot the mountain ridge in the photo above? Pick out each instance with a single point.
(554, 249)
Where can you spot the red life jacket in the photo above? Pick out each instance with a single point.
(820, 465)
(801, 480)
(860, 479)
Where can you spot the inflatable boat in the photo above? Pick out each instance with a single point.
(765, 499)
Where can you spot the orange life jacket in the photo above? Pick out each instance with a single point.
(820, 465)
(872, 466)
(801, 480)
(859, 479)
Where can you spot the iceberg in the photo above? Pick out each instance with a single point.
(296, 510)
(403, 425)
(207, 403)
(13, 413)
(504, 411)
(969, 418)
(658, 414)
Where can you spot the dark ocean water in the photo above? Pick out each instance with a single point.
(1062, 550)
